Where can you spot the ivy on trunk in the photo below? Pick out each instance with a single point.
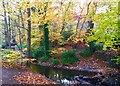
(46, 40)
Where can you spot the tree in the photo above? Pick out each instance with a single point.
(106, 30)
(46, 40)
(6, 26)
(29, 33)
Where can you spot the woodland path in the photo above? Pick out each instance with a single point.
(7, 75)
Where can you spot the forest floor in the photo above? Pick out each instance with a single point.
(92, 64)
(16, 74)
(7, 75)
(23, 75)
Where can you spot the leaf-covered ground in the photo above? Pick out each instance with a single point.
(7, 75)
(94, 63)
(90, 64)
(33, 78)
(12, 74)
(29, 77)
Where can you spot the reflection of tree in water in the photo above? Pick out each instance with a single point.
(59, 74)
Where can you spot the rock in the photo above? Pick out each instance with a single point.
(82, 82)
(96, 80)
(113, 79)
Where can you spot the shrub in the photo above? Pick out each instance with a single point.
(67, 34)
(44, 58)
(55, 61)
(102, 55)
(92, 47)
(54, 51)
(69, 57)
(38, 52)
(95, 46)
(23, 46)
(114, 61)
(99, 46)
(86, 53)
(9, 55)
(117, 59)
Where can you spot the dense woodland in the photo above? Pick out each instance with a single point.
(60, 32)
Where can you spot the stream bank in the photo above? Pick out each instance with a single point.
(85, 76)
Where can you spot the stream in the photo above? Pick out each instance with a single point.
(69, 77)
(60, 75)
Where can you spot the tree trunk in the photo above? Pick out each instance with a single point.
(63, 24)
(77, 26)
(9, 31)
(22, 20)
(5, 35)
(46, 40)
(23, 26)
(20, 41)
(6, 25)
(29, 34)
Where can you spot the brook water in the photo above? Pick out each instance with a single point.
(60, 75)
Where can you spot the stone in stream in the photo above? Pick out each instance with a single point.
(82, 82)
(96, 80)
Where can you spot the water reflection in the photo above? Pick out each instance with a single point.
(64, 76)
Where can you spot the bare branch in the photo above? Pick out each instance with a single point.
(88, 6)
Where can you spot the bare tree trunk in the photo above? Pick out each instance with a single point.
(13, 30)
(20, 41)
(29, 34)
(22, 21)
(5, 33)
(77, 26)
(6, 24)
(9, 31)
(63, 24)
